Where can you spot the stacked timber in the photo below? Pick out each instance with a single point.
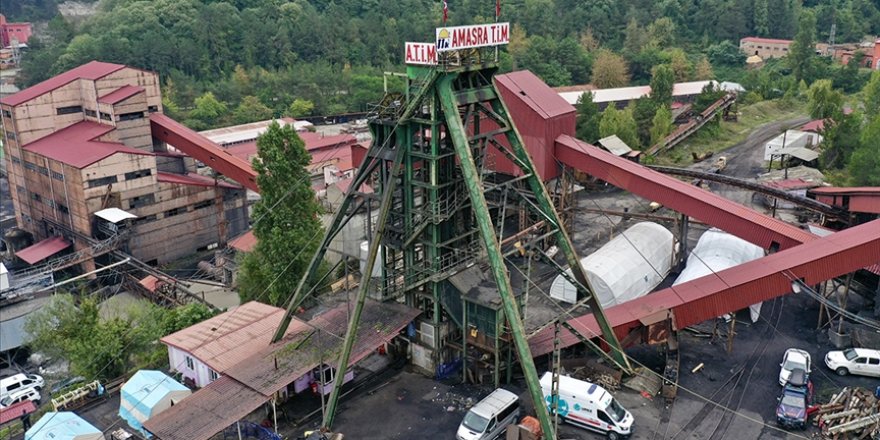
(853, 413)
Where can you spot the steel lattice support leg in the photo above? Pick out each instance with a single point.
(493, 249)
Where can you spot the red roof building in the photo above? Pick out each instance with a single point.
(14, 32)
(83, 141)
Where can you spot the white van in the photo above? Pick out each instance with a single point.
(589, 406)
(489, 418)
(20, 396)
(18, 382)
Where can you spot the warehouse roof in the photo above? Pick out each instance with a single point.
(42, 250)
(121, 94)
(535, 93)
(92, 71)
(77, 145)
(764, 40)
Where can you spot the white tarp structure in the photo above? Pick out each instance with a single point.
(627, 267)
(790, 139)
(716, 251)
(114, 215)
(146, 394)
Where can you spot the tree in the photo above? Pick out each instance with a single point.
(620, 123)
(864, 165)
(635, 37)
(661, 125)
(288, 230)
(301, 107)
(661, 33)
(802, 50)
(871, 96)
(662, 82)
(725, 53)
(823, 101)
(208, 109)
(589, 41)
(840, 137)
(761, 18)
(251, 110)
(519, 43)
(681, 66)
(707, 97)
(588, 118)
(703, 70)
(609, 70)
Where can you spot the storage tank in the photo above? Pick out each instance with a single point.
(627, 267)
(715, 251)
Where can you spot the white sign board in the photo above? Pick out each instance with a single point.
(467, 37)
(421, 53)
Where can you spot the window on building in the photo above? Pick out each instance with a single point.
(138, 174)
(189, 363)
(131, 116)
(144, 200)
(106, 116)
(11, 136)
(203, 204)
(20, 189)
(144, 220)
(16, 160)
(90, 113)
(212, 375)
(153, 108)
(69, 110)
(62, 208)
(43, 170)
(103, 181)
(30, 166)
(36, 197)
(49, 202)
(57, 176)
(175, 211)
(27, 218)
(7, 114)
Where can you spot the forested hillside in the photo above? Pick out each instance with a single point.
(330, 54)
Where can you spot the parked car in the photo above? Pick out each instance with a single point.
(792, 359)
(861, 361)
(19, 382)
(796, 397)
(20, 396)
(489, 418)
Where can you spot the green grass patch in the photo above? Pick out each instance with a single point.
(719, 136)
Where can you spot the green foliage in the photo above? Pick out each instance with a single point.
(662, 81)
(288, 228)
(823, 100)
(588, 118)
(840, 139)
(557, 62)
(301, 107)
(871, 96)
(661, 125)
(208, 108)
(707, 97)
(106, 347)
(620, 123)
(725, 53)
(761, 18)
(802, 50)
(610, 70)
(251, 110)
(864, 166)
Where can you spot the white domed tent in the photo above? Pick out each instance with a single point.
(715, 251)
(63, 426)
(146, 394)
(627, 267)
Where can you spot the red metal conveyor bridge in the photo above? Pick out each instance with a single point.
(796, 254)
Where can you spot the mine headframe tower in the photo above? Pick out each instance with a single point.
(428, 165)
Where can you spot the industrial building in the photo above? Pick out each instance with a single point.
(85, 141)
(621, 97)
(13, 34)
(764, 47)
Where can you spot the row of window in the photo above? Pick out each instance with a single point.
(148, 199)
(62, 208)
(104, 181)
(190, 365)
(38, 169)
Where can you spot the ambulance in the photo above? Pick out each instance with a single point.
(588, 406)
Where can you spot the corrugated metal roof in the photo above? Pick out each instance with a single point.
(615, 145)
(764, 40)
(622, 94)
(846, 191)
(243, 133)
(702, 205)
(193, 179)
(121, 94)
(245, 242)
(275, 366)
(44, 249)
(232, 336)
(735, 288)
(814, 126)
(207, 411)
(15, 411)
(534, 92)
(91, 71)
(76, 146)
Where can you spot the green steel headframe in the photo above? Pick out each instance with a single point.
(429, 158)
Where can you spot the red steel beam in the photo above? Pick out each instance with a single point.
(734, 288)
(733, 218)
(203, 149)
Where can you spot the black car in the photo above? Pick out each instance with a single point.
(797, 395)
